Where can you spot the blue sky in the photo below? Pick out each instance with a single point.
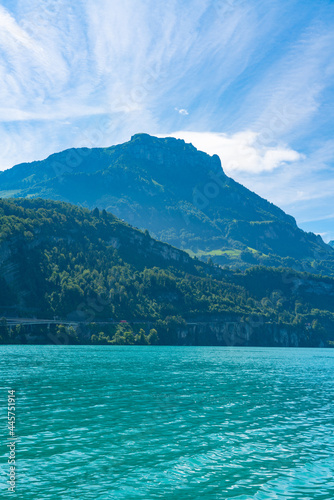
(250, 80)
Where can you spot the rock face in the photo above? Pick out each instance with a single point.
(181, 195)
(240, 333)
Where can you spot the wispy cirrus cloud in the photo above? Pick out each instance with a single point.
(250, 80)
(291, 91)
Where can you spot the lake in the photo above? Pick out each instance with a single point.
(153, 422)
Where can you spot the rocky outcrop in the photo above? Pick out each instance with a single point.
(242, 333)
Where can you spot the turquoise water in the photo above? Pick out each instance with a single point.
(169, 422)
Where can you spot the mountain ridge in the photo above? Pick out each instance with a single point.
(181, 195)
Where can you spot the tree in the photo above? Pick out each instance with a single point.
(101, 338)
(141, 338)
(153, 337)
(124, 335)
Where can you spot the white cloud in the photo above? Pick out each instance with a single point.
(243, 151)
(183, 112)
(11, 31)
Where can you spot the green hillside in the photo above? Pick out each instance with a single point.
(88, 267)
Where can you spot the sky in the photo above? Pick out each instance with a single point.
(249, 80)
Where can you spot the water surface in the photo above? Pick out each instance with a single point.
(115, 422)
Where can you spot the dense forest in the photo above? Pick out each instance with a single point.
(98, 280)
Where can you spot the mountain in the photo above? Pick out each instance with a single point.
(181, 195)
(106, 282)
(331, 243)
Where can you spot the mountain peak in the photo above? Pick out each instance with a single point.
(141, 137)
(149, 139)
(165, 147)
(181, 195)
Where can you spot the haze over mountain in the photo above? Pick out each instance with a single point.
(181, 195)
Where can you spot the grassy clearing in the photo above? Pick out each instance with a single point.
(215, 253)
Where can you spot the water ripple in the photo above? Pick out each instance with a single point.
(171, 423)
